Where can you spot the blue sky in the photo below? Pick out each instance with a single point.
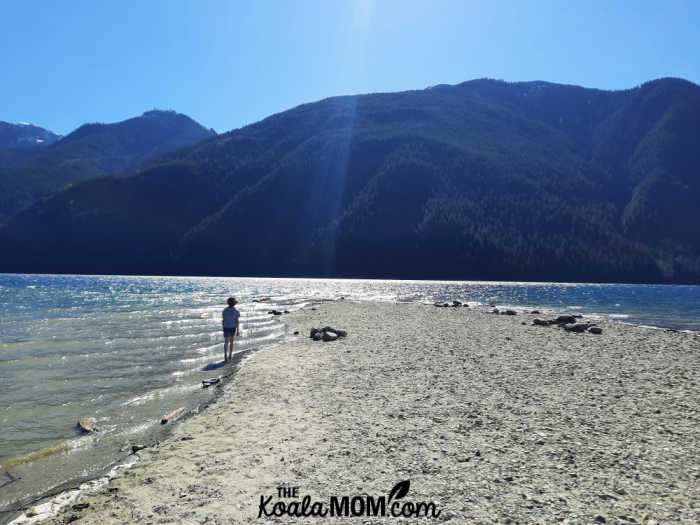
(228, 63)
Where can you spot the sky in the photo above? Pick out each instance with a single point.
(227, 63)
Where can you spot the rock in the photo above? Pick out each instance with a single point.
(87, 425)
(494, 311)
(317, 336)
(81, 506)
(465, 305)
(535, 312)
(329, 336)
(296, 332)
(523, 323)
(136, 448)
(314, 331)
(600, 519)
(579, 327)
(339, 333)
(511, 312)
(595, 330)
(541, 322)
(31, 512)
(274, 312)
(286, 311)
(206, 383)
(456, 303)
(565, 319)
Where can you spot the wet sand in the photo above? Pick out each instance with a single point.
(491, 420)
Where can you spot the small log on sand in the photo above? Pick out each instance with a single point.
(87, 425)
(172, 415)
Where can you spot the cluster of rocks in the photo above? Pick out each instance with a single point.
(504, 312)
(454, 304)
(327, 334)
(277, 312)
(568, 322)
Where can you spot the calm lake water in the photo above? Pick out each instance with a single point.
(127, 350)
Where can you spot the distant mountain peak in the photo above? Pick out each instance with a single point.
(25, 135)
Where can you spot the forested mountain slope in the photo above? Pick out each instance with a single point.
(92, 150)
(482, 180)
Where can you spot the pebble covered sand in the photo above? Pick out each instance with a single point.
(492, 420)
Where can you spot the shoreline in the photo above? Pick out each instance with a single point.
(334, 382)
(68, 491)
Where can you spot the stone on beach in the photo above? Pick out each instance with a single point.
(330, 336)
(327, 333)
(595, 330)
(578, 327)
(87, 425)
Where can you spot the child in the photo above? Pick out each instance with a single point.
(231, 324)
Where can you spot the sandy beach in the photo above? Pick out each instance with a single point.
(491, 419)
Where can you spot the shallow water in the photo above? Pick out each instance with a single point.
(127, 350)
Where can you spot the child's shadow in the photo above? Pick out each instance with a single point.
(214, 366)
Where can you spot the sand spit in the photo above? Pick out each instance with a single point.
(491, 420)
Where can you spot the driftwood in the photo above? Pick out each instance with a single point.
(172, 415)
(87, 425)
(10, 479)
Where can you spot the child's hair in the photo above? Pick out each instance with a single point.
(231, 301)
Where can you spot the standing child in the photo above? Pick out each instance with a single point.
(231, 324)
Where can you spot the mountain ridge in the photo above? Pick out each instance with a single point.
(481, 180)
(90, 151)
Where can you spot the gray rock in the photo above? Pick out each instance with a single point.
(511, 312)
(565, 319)
(595, 330)
(579, 327)
(317, 336)
(541, 322)
(329, 336)
(535, 312)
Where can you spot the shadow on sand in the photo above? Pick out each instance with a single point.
(214, 366)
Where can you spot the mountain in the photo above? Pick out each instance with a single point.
(481, 180)
(90, 151)
(25, 135)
